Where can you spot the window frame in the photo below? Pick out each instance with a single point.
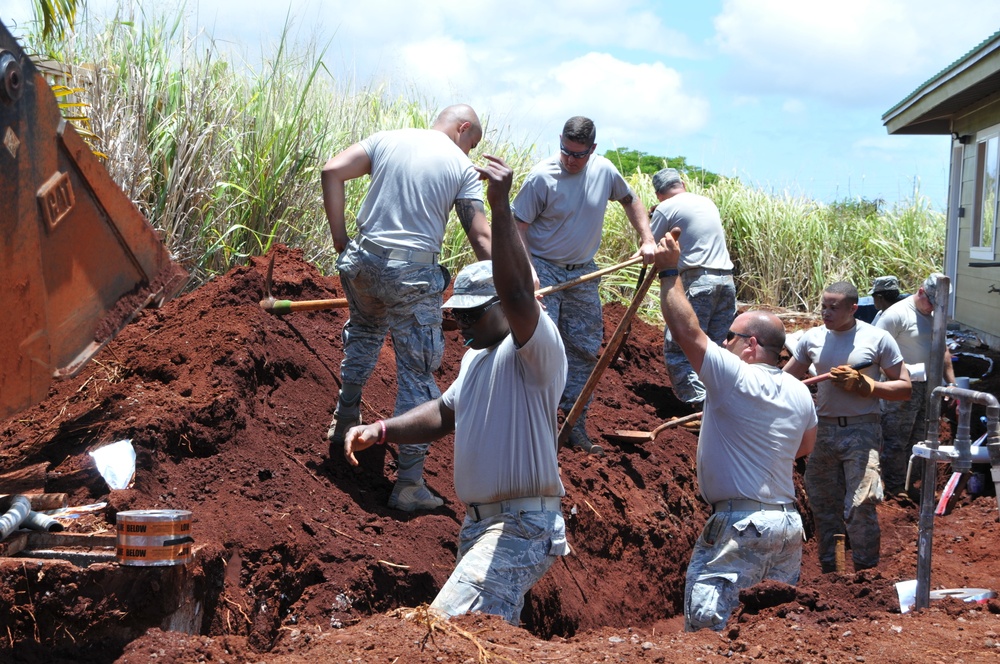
(987, 141)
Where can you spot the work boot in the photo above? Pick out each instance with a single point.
(338, 428)
(411, 497)
(579, 440)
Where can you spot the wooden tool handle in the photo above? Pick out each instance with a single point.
(555, 288)
(288, 306)
(605, 359)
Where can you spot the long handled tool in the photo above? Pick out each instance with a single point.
(602, 363)
(279, 307)
(646, 436)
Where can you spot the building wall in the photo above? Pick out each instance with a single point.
(976, 306)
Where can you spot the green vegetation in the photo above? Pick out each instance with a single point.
(225, 161)
(633, 161)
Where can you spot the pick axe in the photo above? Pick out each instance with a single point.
(280, 307)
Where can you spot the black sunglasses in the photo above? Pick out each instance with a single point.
(730, 335)
(579, 155)
(469, 317)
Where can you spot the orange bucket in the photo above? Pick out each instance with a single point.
(154, 538)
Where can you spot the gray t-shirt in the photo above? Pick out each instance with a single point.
(703, 240)
(825, 349)
(566, 211)
(912, 331)
(755, 417)
(416, 177)
(505, 400)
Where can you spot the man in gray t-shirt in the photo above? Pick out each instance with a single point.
(390, 272)
(757, 421)
(502, 409)
(705, 270)
(560, 213)
(842, 473)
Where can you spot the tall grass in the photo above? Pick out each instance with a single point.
(224, 159)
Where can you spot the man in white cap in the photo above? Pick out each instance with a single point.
(904, 423)
(502, 409)
(705, 271)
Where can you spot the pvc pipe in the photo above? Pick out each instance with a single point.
(44, 522)
(14, 516)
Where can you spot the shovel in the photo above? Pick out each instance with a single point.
(646, 436)
(623, 436)
(279, 307)
(610, 351)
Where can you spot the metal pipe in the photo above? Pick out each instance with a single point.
(44, 522)
(14, 516)
(963, 460)
(939, 338)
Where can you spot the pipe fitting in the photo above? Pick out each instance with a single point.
(11, 78)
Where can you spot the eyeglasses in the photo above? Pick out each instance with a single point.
(579, 155)
(469, 317)
(730, 335)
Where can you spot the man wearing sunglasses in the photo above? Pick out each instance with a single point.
(390, 271)
(705, 270)
(502, 410)
(560, 213)
(757, 421)
(842, 475)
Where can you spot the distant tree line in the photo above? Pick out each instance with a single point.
(633, 161)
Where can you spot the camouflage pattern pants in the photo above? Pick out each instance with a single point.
(843, 483)
(404, 299)
(499, 560)
(577, 314)
(737, 550)
(713, 298)
(904, 423)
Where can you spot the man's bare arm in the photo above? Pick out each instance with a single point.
(349, 164)
(677, 312)
(472, 215)
(639, 218)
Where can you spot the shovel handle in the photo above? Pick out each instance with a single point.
(826, 376)
(555, 288)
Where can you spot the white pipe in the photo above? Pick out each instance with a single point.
(14, 516)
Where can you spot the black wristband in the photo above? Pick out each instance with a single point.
(669, 272)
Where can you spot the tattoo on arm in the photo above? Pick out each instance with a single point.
(627, 200)
(466, 209)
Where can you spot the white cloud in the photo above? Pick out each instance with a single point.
(851, 51)
(793, 107)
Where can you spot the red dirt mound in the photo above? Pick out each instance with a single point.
(300, 559)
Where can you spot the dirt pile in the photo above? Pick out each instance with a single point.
(300, 560)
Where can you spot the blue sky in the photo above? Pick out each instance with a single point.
(788, 95)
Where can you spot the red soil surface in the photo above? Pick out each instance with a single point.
(301, 561)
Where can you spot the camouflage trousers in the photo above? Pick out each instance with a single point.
(713, 298)
(737, 550)
(904, 423)
(499, 560)
(403, 299)
(843, 483)
(577, 314)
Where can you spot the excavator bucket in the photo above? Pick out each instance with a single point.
(77, 260)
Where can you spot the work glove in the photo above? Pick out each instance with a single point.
(851, 380)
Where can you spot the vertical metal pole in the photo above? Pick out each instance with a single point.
(935, 372)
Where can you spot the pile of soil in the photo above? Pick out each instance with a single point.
(299, 559)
